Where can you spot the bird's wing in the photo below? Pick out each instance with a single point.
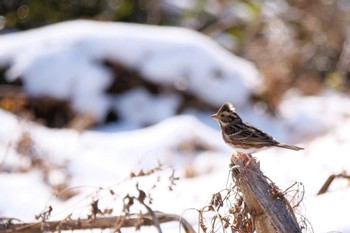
(248, 134)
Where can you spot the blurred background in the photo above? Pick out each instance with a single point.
(293, 44)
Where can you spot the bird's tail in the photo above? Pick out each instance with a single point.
(290, 147)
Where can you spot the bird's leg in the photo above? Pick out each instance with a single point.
(250, 157)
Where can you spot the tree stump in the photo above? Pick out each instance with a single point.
(270, 210)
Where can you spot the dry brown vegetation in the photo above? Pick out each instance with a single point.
(33, 158)
(300, 44)
(245, 207)
(131, 209)
(229, 210)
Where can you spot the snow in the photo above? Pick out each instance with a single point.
(329, 211)
(61, 60)
(65, 61)
(142, 102)
(314, 114)
(18, 193)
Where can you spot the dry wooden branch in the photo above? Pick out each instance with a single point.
(269, 208)
(116, 222)
(329, 181)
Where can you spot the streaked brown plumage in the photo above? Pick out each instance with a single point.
(242, 136)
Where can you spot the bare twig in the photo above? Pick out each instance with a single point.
(98, 223)
(154, 218)
(329, 181)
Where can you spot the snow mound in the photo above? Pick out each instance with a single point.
(65, 61)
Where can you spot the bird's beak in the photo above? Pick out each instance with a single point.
(214, 116)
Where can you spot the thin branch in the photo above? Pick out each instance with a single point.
(98, 223)
(329, 181)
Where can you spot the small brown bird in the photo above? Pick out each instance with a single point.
(242, 136)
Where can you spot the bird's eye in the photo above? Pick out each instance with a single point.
(229, 119)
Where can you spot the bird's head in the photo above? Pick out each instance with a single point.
(226, 114)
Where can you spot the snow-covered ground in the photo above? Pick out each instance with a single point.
(60, 60)
(65, 61)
